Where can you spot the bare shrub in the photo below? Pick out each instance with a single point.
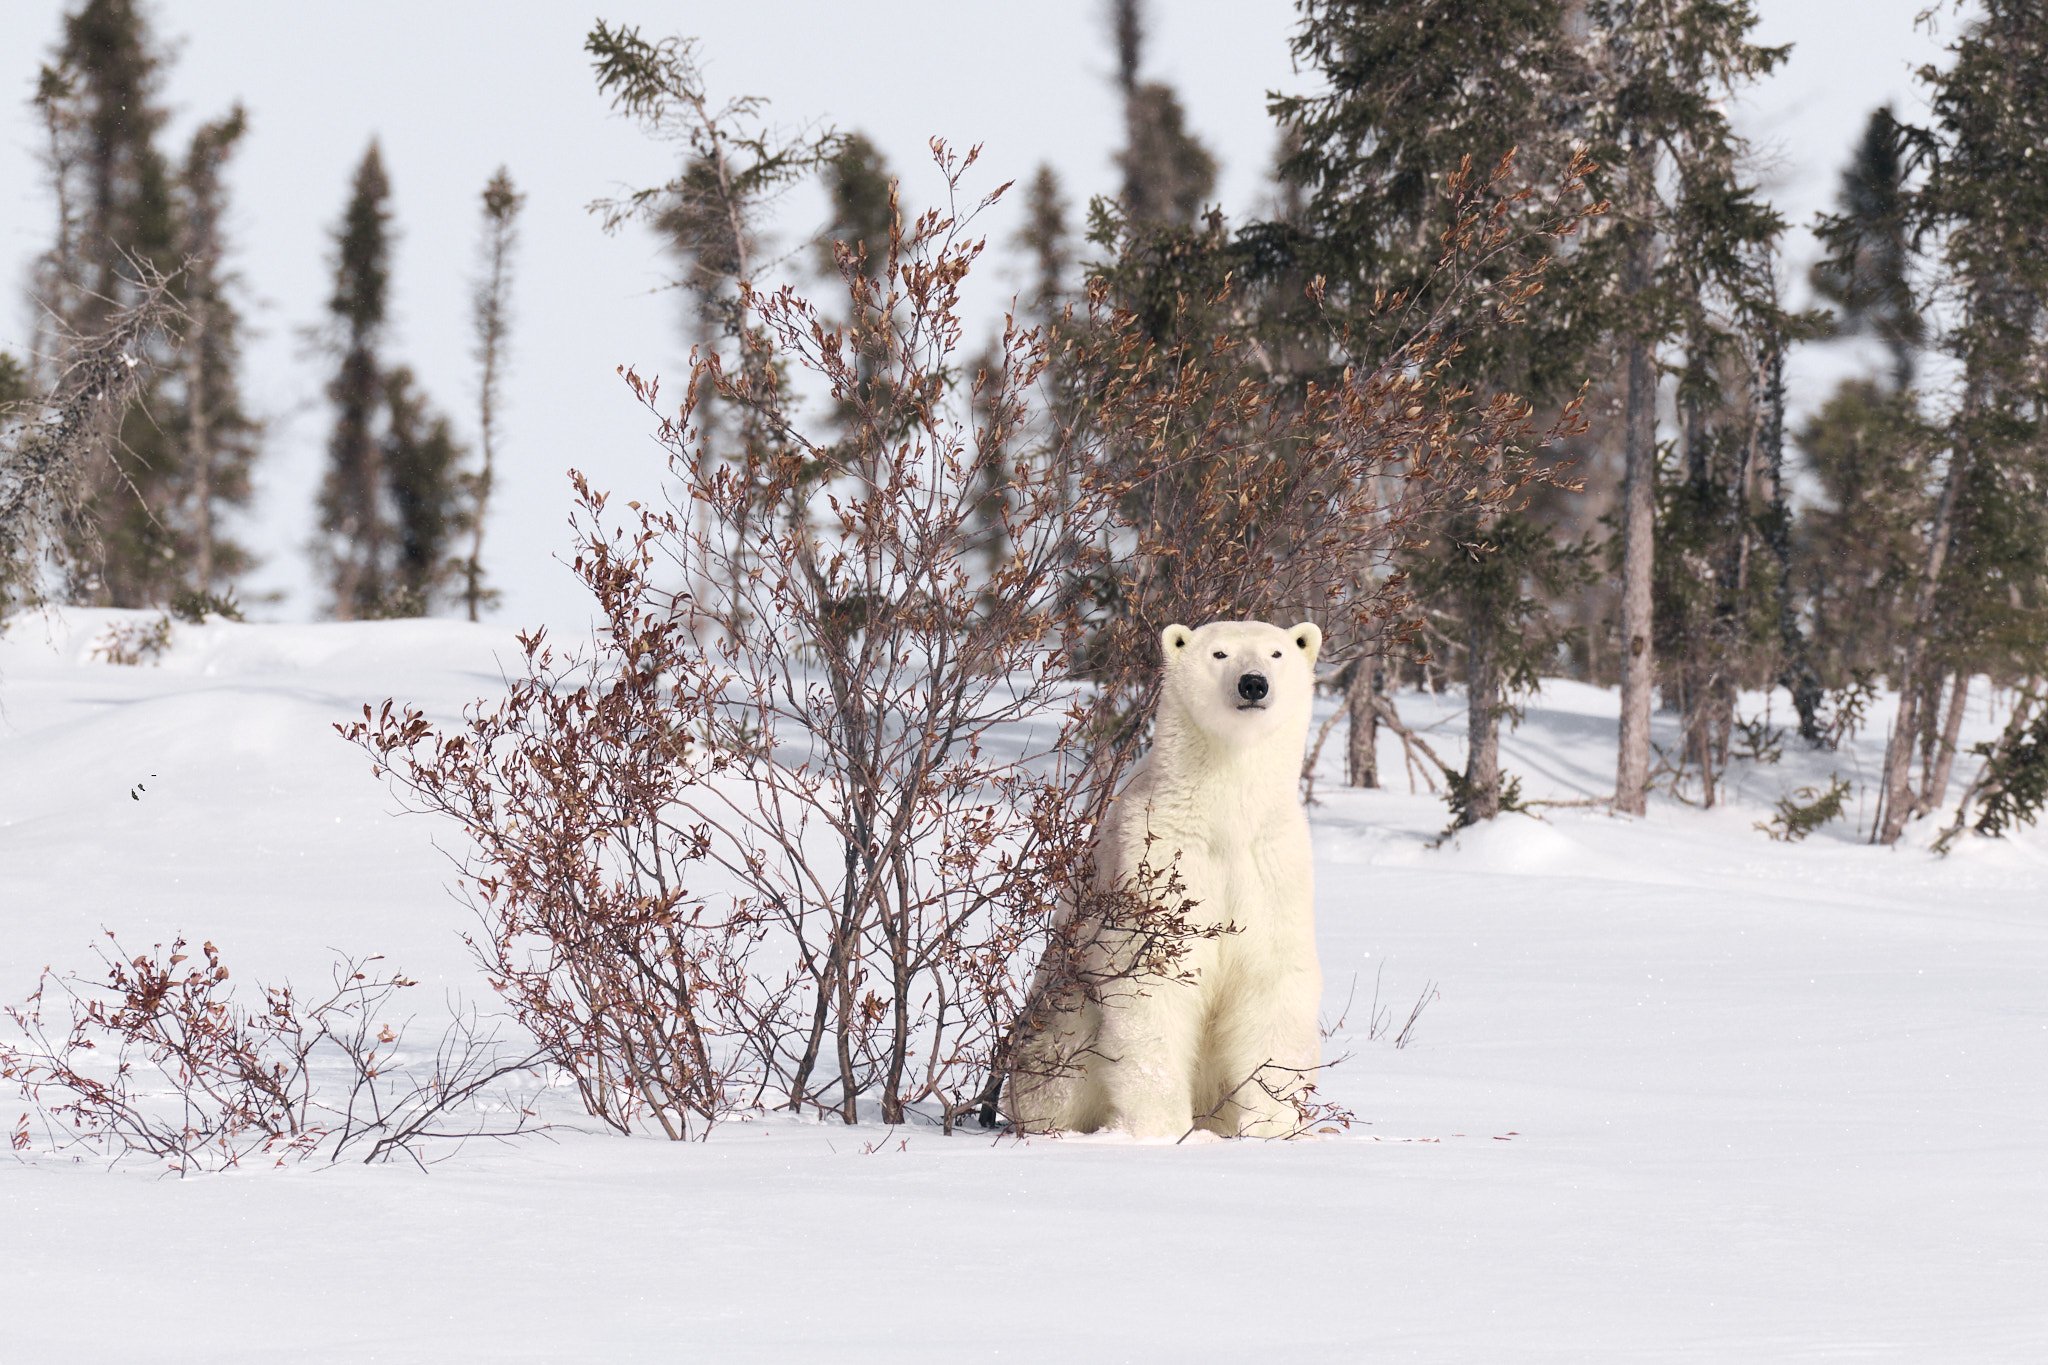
(571, 789)
(1430, 994)
(158, 1059)
(814, 693)
(1379, 1021)
(1313, 1114)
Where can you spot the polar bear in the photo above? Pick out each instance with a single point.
(1223, 1042)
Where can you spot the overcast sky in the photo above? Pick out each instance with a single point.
(453, 88)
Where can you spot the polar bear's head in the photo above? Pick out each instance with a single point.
(1241, 681)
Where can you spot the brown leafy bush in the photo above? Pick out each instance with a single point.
(1237, 495)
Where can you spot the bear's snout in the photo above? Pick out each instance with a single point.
(1253, 688)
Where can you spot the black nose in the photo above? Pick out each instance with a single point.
(1252, 687)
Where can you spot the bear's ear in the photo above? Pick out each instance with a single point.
(1308, 638)
(1173, 642)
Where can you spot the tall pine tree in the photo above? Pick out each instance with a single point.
(357, 534)
(1413, 91)
(491, 315)
(1169, 176)
(1682, 223)
(1046, 240)
(732, 166)
(863, 198)
(395, 499)
(859, 188)
(1864, 276)
(1982, 600)
(100, 99)
(429, 499)
(1859, 544)
(217, 437)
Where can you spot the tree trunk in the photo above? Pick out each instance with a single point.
(1935, 789)
(1361, 744)
(1796, 672)
(1482, 725)
(1895, 784)
(1895, 802)
(199, 451)
(473, 570)
(1638, 527)
(1696, 716)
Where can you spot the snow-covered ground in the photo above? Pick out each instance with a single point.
(1683, 1093)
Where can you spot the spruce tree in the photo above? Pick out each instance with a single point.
(1412, 92)
(733, 165)
(1860, 544)
(357, 533)
(1683, 225)
(1867, 446)
(1168, 175)
(1981, 603)
(1046, 240)
(422, 465)
(859, 188)
(1723, 616)
(491, 315)
(1864, 276)
(100, 99)
(863, 198)
(217, 438)
(123, 191)
(989, 528)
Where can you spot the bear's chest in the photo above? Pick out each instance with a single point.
(1244, 865)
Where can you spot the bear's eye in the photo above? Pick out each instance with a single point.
(1276, 653)
(1222, 653)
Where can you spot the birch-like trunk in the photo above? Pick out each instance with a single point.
(199, 451)
(1482, 724)
(1934, 790)
(1896, 799)
(1638, 529)
(1361, 745)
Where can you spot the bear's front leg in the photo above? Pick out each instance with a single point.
(1146, 1055)
(1266, 1049)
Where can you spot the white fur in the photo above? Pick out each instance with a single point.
(1219, 793)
